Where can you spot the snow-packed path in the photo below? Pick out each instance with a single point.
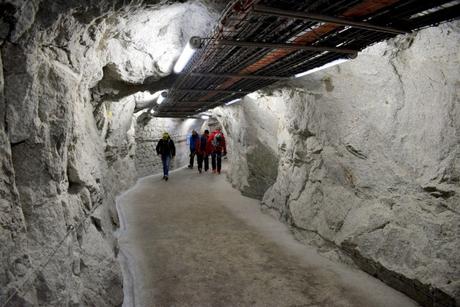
(195, 241)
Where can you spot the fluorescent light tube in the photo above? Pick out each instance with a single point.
(333, 63)
(162, 97)
(205, 117)
(232, 101)
(187, 53)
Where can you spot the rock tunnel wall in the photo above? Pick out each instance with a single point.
(67, 144)
(253, 143)
(363, 160)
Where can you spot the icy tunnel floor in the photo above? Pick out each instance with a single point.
(195, 241)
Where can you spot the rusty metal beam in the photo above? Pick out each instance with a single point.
(210, 91)
(285, 46)
(264, 10)
(256, 77)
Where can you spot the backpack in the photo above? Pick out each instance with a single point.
(217, 140)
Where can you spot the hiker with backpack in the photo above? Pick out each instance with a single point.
(166, 149)
(202, 154)
(194, 145)
(217, 147)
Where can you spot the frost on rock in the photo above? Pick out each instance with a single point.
(368, 160)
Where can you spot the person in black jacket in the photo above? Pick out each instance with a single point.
(166, 149)
(202, 154)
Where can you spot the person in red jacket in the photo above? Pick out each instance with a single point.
(216, 147)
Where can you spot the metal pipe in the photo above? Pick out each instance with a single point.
(264, 10)
(285, 46)
(211, 75)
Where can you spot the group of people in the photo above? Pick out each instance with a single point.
(201, 147)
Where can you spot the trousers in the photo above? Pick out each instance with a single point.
(216, 160)
(192, 158)
(166, 160)
(203, 158)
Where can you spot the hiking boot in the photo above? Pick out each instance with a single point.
(190, 166)
(166, 178)
(218, 172)
(199, 170)
(163, 178)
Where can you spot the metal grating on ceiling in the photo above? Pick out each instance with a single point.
(259, 42)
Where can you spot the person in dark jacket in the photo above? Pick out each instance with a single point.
(166, 149)
(216, 146)
(202, 154)
(194, 145)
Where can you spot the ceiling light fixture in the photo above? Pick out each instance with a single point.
(189, 50)
(163, 95)
(205, 117)
(232, 101)
(330, 64)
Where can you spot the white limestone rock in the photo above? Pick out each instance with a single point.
(252, 146)
(64, 154)
(369, 159)
(149, 42)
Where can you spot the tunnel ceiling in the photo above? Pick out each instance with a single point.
(259, 42)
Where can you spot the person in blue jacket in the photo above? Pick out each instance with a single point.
(194, 145)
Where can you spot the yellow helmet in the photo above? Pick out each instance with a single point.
(165, 135)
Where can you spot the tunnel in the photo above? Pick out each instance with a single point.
(340, 180)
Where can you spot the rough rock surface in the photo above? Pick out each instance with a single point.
(252, 143)
(368, 160)
(66, 152)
